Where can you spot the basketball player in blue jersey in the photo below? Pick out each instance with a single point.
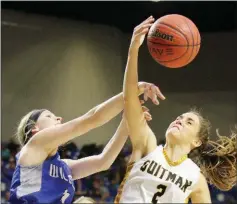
(40, 175)
(181, 169)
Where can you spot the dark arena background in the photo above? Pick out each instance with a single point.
(70, 56)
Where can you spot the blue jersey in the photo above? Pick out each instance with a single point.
(49, 182)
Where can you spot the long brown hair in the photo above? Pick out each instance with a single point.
(216, 159)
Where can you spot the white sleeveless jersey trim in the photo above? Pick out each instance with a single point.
(152, 180)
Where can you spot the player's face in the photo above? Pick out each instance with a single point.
(184, 130)
(48, 119)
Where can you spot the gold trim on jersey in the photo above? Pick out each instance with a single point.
(173, 163)
(120, 189)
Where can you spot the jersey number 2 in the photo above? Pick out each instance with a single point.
(160, 192)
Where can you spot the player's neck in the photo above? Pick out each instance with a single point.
(175, 152)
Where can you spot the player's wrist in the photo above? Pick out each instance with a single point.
(134, 46)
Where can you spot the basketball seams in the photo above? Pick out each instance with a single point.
(186, 33)
(186, 22)
(179, 31)
(198, 36)
(196, 45)
(176, 32)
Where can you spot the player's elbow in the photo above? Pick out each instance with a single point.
(97, 118)
(104, 162)
(105, 167)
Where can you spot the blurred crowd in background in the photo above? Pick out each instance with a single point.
(103, 186)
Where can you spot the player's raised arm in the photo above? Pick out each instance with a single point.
(49, 137)
(138, 128)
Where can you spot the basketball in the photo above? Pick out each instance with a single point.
(173, 41)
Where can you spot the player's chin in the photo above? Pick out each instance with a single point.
(172, 131)
(173, 134)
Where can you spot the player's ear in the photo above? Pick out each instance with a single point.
(35, 129)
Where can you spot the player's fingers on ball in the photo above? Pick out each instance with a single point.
(148, 25)
(144, 31)
(142, 26)
(149, 19)
(143, 22)
(141, 30)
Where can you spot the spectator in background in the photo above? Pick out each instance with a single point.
(6, 177)
(115, 179)
(9, 168)
(99, 192)
(13, 147)
(80, 188)
(5, 153)
(105, 198)
(69, 151)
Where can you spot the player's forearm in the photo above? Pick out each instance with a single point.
(93, 164)
(113, 106)
(108, 110)
(130, 86)
(115, 145)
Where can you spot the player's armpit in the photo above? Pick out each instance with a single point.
(32, 155)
